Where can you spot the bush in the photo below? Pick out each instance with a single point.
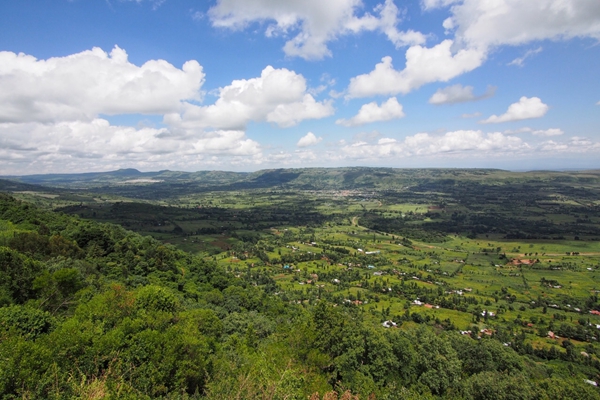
(25, 321)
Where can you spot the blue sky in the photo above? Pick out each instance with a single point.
(252, 84)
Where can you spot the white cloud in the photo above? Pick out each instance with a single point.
(387, 22)
(371, 112)
(453, 94)
(423, 144)
(83, 85)
(463, 140)
(50, 113)
(489, 23)
(286, 115)
(517, 131)
(548, 132)
(582, 141)
(225, 142)
(575, 145)
(479, 26)
(423, 65)
(278, 96)
(526, 108)
(315, 22)
(520, 61)
(473, 115)
(462, 144)
(432, 4)
(309, 140)
(458, 94)
(598, 103)
(539, 132)
(97, 145)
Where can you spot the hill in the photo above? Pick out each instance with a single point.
(166, 184)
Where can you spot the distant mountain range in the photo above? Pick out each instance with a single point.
(133, 183)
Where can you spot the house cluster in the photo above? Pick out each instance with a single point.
(418, 302)
(487, 332)
(290, 268)
(389, 324)
(552, 335)
(355, 302)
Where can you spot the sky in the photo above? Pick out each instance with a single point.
(245, 85)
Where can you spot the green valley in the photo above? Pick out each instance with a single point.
(294, 284)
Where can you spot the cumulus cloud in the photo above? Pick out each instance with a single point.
(548, 132)
(278, 96)
(424, 144)
(314, 22)
(423, 65)
(309, 140)
(87, 84)
(286, 115)
(389, 18)
(96, 144)
(517, 131)
(458, 144)
(84, 85)
(574, 145)
(526, 108)
(52, 113)
(458, 94)
(479, 26)
(372, 112)
(538, 132)
(489, 23)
